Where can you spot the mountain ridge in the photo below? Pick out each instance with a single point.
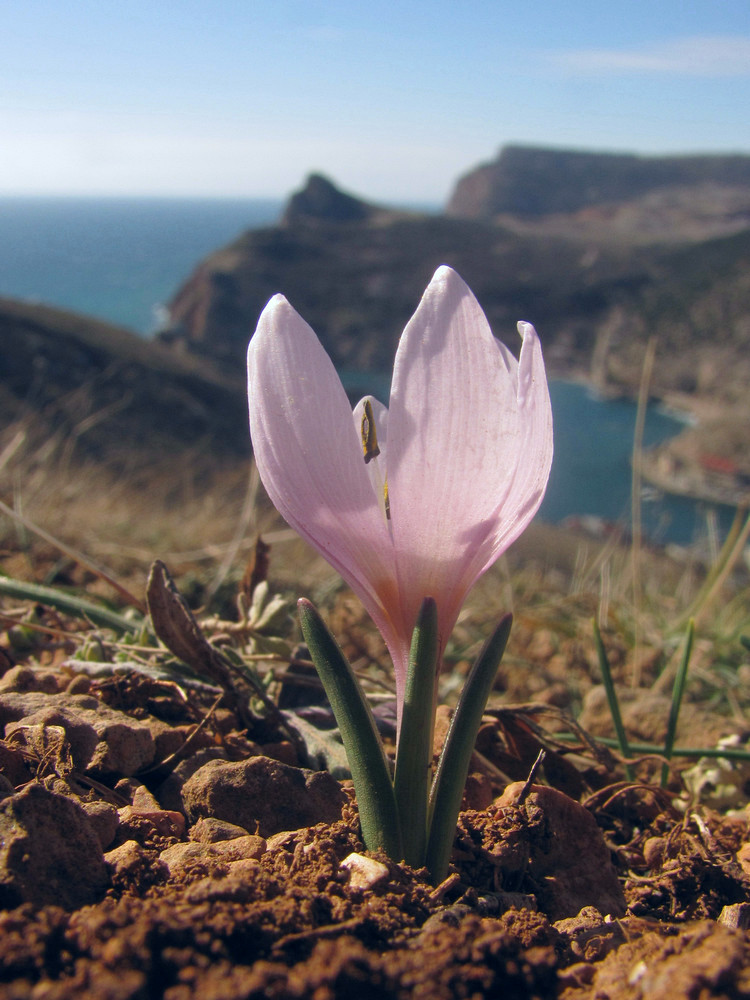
(595, 300)
(529, 181)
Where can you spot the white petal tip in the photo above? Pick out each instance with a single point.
(274, 304)
(526, 329)
(447, 278)
(443, 272)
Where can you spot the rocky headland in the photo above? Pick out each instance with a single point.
(596, 293)
(602, 252)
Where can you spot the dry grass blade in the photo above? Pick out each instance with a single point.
(637, 534)
(76, 556)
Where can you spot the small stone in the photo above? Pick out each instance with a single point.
(247, 848)
(236, 885)
(144, 801)
(179, 857)
(125, 788)
(743, 856)
(735, 915)
(558, 844)
(286, 840)
(25, 679)
(589, 935)
(126, 859)
(364, 872)
(102, 741)
(18, 679)
(49, 852)
(165, 822)
(210, 830)
(263, 795)
(653, 851)
(80, 684)
(104, 821)
(169, 792)
(133, 867)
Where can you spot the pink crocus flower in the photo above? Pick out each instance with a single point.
(419, 499)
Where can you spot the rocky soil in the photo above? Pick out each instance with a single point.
(160, 837)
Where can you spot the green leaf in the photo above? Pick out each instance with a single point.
(364, 750)
(324, 747)
(69, 604)
(677, 692)
(612, 700)
(453, 768)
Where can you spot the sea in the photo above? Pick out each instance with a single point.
(121, 260)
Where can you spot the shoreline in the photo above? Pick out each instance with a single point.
(679, 466)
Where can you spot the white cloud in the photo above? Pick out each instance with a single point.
(707, 56)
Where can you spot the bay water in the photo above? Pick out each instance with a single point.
(121, 259)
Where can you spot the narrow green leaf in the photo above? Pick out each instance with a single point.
(414, 752)
(68, 603)
(691, 753)
(678, 690)
(453, 767)
(364, 750)
(612, 701)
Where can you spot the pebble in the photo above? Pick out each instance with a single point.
(50, 854)
(364, 872)
(262, 795)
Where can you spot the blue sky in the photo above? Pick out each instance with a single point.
(392, 100)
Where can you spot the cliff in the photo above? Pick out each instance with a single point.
(320, 199)
(530, 183)
(357, 280)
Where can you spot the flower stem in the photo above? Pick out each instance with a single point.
(453, 768)
(372, 781)
(414, 751)
(674, 708)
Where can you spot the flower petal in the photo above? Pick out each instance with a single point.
(535, 457)
(309, 455)
(534, 460)
(454, 441)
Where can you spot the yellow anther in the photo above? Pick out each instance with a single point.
(369, 434)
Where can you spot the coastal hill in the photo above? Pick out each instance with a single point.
(114, 444)
(652, 197)
(602, 252)
(75, 389)
(356, 276)
(320, 199)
